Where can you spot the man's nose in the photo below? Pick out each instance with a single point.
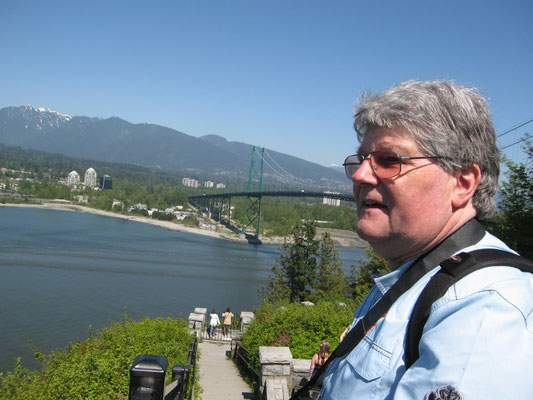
(365, 173)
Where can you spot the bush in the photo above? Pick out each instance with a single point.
(301, 328)
(98, 368)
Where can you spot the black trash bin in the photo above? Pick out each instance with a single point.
(147, 377)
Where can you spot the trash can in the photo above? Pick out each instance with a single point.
(147, 377)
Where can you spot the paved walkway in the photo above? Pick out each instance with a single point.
(219, 377)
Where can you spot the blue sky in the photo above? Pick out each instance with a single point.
(280, 74)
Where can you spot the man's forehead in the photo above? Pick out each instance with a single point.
(397, 142)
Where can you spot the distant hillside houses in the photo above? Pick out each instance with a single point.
(90, 180)
(189, 182)
(177, 211)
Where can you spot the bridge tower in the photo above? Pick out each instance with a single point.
(252, 205)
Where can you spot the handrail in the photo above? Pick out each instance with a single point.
(247, 368)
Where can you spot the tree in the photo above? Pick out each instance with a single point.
(362, 277)
(295, 272)
(331, 280)
(307, 269)
(513, 223)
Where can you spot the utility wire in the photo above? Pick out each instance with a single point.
(515, 128)
(512, 144)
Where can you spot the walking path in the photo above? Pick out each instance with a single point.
(219, 377)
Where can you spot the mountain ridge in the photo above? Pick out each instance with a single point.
(117, 140)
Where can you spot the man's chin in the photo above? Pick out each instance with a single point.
(370, 233)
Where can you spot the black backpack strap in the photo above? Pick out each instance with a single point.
(452, 270)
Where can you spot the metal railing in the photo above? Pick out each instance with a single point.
(219, 334)
(248, 365)
(148, 375)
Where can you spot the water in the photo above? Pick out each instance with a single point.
(61, 272)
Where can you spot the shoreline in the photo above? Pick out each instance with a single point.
(344, 239)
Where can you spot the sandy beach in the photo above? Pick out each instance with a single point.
(344, 239)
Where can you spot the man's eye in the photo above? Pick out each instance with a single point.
(389, 160)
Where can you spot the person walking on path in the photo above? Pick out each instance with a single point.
(213, 323)
(228, 315)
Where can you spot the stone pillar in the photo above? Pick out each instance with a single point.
(235, 341)
(275, 364)
(200, 310)
(246, 317)
(196, 322)
(276, 389)
(300, 370)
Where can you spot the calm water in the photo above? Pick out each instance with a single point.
(62, 271)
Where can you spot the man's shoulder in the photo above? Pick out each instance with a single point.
(508, 283)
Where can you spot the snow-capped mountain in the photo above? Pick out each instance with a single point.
(116, 140)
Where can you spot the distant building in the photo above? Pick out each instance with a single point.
(90, 178)
(190, 182)
(331, 202)
(209, 184)
(106, 182)
(73, 179)
(220, 186)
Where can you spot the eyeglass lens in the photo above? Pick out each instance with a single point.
(386, 164)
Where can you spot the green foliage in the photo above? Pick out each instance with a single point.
(301, 328)
(331, 282)
(307, 269)
(514, 221)
(98, 368)
(163, 216)
(361, 277)
(191, 221)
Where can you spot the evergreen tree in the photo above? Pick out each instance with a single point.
(307, 269)
(331, 280)
(362, 277)
(514, 221)
(295, 272)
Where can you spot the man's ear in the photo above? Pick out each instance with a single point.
(467, 181)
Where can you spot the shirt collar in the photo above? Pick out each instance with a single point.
(385, 282)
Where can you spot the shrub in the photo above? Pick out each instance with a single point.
(98, 368)
(301, 328)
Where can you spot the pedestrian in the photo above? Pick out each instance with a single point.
(214, 321)
(425, 172)
(319, 359)
(227, 316)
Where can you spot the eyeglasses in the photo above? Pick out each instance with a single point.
(385, 164)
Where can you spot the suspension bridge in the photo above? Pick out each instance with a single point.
(218, 205)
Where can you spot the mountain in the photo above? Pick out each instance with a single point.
(116, 140)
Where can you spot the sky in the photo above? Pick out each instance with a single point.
(284, 75)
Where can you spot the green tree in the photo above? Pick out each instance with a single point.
(307, 269)
(295, 272)
(513, 223)
(331, 280)
(362, 277)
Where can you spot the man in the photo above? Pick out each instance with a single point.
(427, 166)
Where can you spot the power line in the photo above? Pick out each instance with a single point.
(512, 144)
(515, 128)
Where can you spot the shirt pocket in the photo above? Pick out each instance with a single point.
(369, 359)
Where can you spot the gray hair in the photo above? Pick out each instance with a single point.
(445, 119)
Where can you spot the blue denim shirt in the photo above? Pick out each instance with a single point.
(478, 339)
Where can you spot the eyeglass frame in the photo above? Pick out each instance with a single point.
(368, 156)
